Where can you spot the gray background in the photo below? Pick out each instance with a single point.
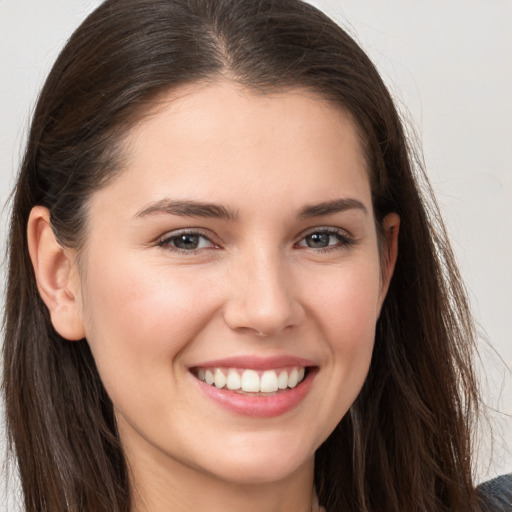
(449, 67)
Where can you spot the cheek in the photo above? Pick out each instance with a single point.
(140, 314)
(347, 300)
(348, 311)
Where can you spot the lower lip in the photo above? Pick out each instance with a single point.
(259, 406)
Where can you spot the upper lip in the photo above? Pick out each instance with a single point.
(256, 362)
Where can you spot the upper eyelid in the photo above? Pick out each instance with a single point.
(325, 229)
(206, 234)
(185, 231)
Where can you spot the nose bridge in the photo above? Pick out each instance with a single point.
(263, 299)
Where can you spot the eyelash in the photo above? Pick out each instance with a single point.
(166, 242)
(344, 240)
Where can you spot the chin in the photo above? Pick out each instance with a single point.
(245, 474)
(261, 465)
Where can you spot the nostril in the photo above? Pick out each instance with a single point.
(262, 322)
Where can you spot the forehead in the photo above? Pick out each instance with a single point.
(221, 109)
(223, 141)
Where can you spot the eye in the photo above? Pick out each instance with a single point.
(186, 241)
(325, 239)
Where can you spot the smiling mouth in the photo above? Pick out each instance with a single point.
(249, 381)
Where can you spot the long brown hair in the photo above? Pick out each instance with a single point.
(405, 443)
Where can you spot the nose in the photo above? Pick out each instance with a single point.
(263, 298)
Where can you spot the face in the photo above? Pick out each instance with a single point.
(231, 282)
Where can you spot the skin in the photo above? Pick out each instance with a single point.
(253, 287)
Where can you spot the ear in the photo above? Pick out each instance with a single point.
(57, 276)
(391, 227)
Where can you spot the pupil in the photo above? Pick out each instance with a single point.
(187, 242)
(317, 240)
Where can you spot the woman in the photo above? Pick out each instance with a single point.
(223, 277)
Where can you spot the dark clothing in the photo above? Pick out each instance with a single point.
(496, 494)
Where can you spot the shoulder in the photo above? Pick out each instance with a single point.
(496, 494)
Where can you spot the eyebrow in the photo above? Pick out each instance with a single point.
(189, 208)
(186, 208)
(331, 207)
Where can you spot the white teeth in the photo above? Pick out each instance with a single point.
(268, 382)
(220, 378)
(282, 381)
(233, 381)
(250, 381)
(208, 377)
(293, 378)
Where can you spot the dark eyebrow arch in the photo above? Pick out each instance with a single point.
(331, 207)
(187, 208)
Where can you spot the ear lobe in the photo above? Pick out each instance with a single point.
(391, 227)
(56, 274)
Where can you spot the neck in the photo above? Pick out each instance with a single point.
(183, 489)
